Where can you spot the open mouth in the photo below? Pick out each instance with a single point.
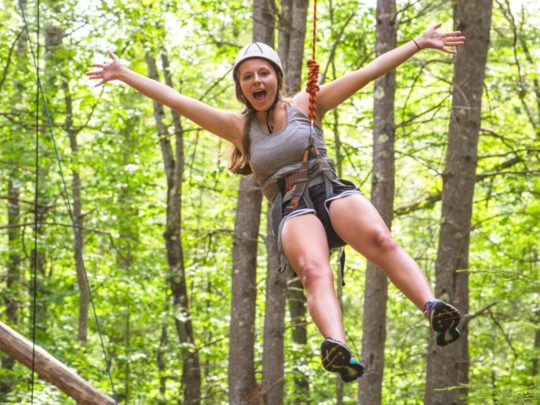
(259, 95)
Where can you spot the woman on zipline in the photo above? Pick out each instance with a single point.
(313, 211)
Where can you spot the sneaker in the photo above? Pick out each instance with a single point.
(337, 358)
(444, 319)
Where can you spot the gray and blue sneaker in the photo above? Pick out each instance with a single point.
(444, 320)
(337, 358)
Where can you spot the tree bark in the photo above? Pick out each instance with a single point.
(242, 380)
(274, 324)
(127, 246)
(243, 388)
(382, 197)
(291, 51)
(173, 162)
(13, 277)
(13, 271)
(535, 359)
(49, 368)
(294, 55)
(78, 235)
(448, 366)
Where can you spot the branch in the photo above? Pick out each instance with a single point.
(49, 368)
(431, 199)
(506, 337)
(6, 68)
(335, 45)
(470, 317)
(47, 207)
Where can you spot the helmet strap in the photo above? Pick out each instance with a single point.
(269, 123)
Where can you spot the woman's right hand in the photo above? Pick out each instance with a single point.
(106, 72)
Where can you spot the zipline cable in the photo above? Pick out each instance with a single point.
(67, 201)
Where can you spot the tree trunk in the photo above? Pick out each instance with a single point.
(78, 242)
(448, 366)
(160, 360)
(127, 245)
(173, 162)
(13, 277)
(294, 50)
(291, 51)
(382, 197)
(535, 359)
(13, 271)
(49, 368)
(242, 381)
(243, 387)
(274, 324)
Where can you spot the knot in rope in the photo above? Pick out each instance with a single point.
(312, 88)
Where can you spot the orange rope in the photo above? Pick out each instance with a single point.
(312, 86)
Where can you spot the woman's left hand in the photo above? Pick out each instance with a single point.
(431, 38)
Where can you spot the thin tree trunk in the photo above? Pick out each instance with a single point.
(273, 382)
(291, 50)
(535, 359)
(14, 210)
(448, 366)
(13, 272)
(242, 380)
(78, 242)
(13, 277)
(173, 166)
(382, 197)
(128, 239)
(54, 40)
(243, 388)
(274, 324)
(160, 359)
(339, 171)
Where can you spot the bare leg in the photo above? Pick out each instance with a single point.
(305, 246)
(359, 224)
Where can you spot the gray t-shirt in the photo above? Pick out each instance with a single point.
(274, 155)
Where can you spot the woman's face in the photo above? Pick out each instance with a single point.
(258, 82)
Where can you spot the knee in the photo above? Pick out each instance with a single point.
(314, 273)
(383, 241)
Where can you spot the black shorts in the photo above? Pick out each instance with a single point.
(321, 203)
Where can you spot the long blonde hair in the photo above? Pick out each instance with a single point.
(239, 159)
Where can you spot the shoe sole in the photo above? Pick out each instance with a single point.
(336, 359)
(444, 321)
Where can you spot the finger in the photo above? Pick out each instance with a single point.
(454, 43)
(436, 26)
(450, 51)
(452, 34)
(113, 56)
(95, 73)
(100, 83)
(98, 65)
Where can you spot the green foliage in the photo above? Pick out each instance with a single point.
(123, 191)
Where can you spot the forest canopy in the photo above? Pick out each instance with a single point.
(111, 164)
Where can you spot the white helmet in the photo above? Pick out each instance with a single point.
(257, 50)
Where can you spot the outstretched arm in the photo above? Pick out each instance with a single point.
(225, 124)
(334, 93)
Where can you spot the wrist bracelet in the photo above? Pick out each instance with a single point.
(416, 43)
